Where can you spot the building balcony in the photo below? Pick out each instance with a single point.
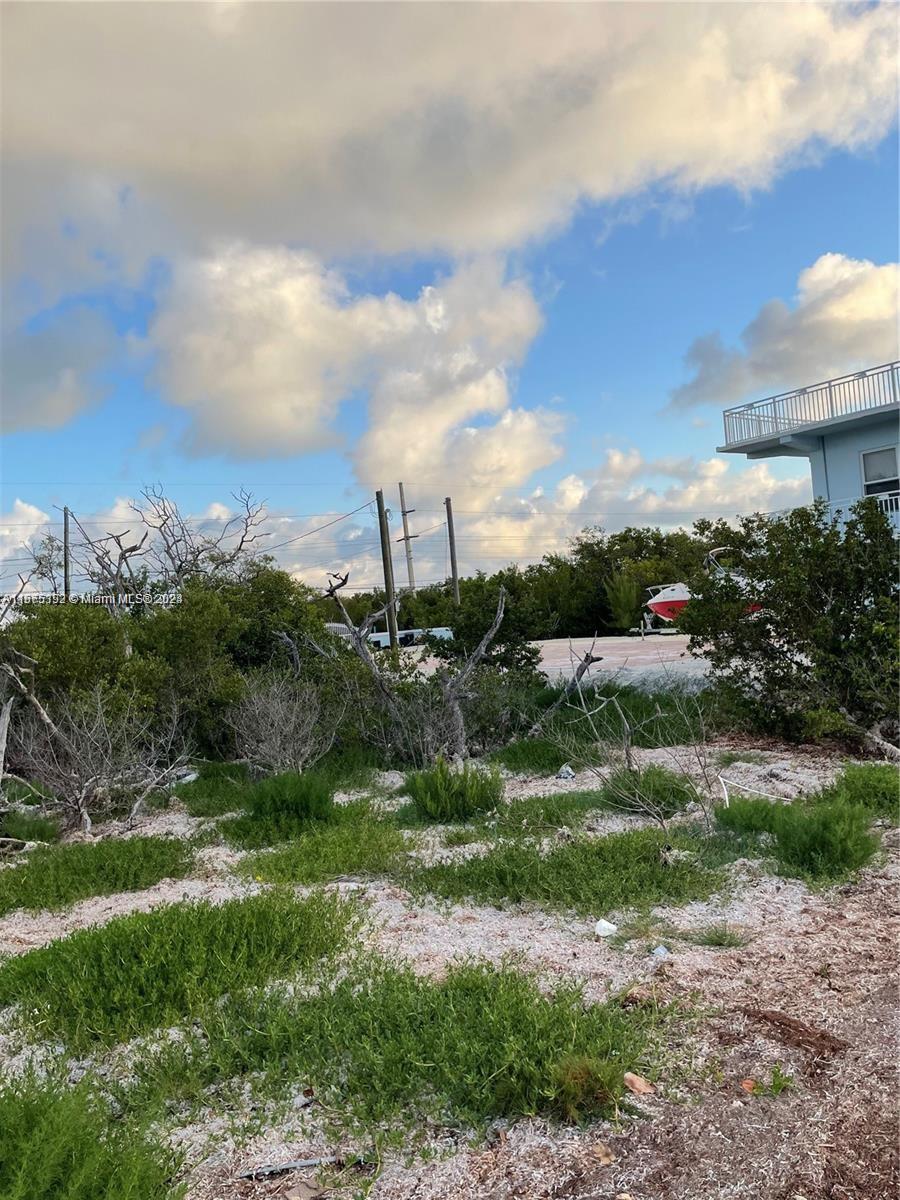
(757, 429)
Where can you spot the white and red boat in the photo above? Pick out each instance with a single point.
(668, 600)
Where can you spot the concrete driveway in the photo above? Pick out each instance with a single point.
(631, 659)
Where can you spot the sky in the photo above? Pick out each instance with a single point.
(520, 254)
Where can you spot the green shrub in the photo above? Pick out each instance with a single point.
(384, 1047)
(654, 790)
(873, 786)
(441, 794)
(355, 843)
(139, 972)
(531, 756)
(825, 841)
(280, 807)
(60, 1143)
(54, 876)
(749, 814)
(218, 790)
(591, 876)
(28, 827)
(817, 838)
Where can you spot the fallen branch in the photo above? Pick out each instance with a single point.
(797, 1033)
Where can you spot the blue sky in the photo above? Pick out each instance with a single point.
(488, 313)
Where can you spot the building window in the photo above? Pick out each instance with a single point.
(880, 471)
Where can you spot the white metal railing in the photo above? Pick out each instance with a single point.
(888, 502)
(840, 397)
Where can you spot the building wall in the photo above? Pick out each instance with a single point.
(837, 468)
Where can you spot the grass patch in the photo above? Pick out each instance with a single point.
(819, 840)
(531, 756)
(590, 876)
(55, 876)
(59, 1143)
(280, 807)
(534, 814)
(28, 827)
(139, 972)
(384, 1048)
(218, 790)
(664, 717)
(655, 791)
(719, 936)
(354, 844)
(441, 794)
(873, 786)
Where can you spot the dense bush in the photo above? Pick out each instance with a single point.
(818, 655)
(442, 794)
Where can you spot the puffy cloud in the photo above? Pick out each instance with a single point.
(261, 346)
(845, 317)
(413, 127)
(19, 528)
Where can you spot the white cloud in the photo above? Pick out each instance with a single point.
(844, 317)
(465, 128)
(261, 346)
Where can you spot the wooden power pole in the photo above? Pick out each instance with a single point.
(67, 582)
(407, 540)
(451, 534)
(388, 566)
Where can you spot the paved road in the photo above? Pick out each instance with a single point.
(630, 658)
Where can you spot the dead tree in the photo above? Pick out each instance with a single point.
(584, 665)
(279, 724)
(407, 714)
(93, 755)
(178, 552)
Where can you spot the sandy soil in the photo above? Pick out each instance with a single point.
(812, 992)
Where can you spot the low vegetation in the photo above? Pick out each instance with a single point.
(482, 1043)
(60, 1143)
(217, 790)
(873, 786)
(139, 972)
(655, 792)
(280, 807)
(589, 876)
(28, 826)
(442, 794)
(818, 838)
(55, 876)
(531, 756)
(356, 843)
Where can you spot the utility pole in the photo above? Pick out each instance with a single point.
(407, 539)
(451, 534)
(388, 566)
(66, 577)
